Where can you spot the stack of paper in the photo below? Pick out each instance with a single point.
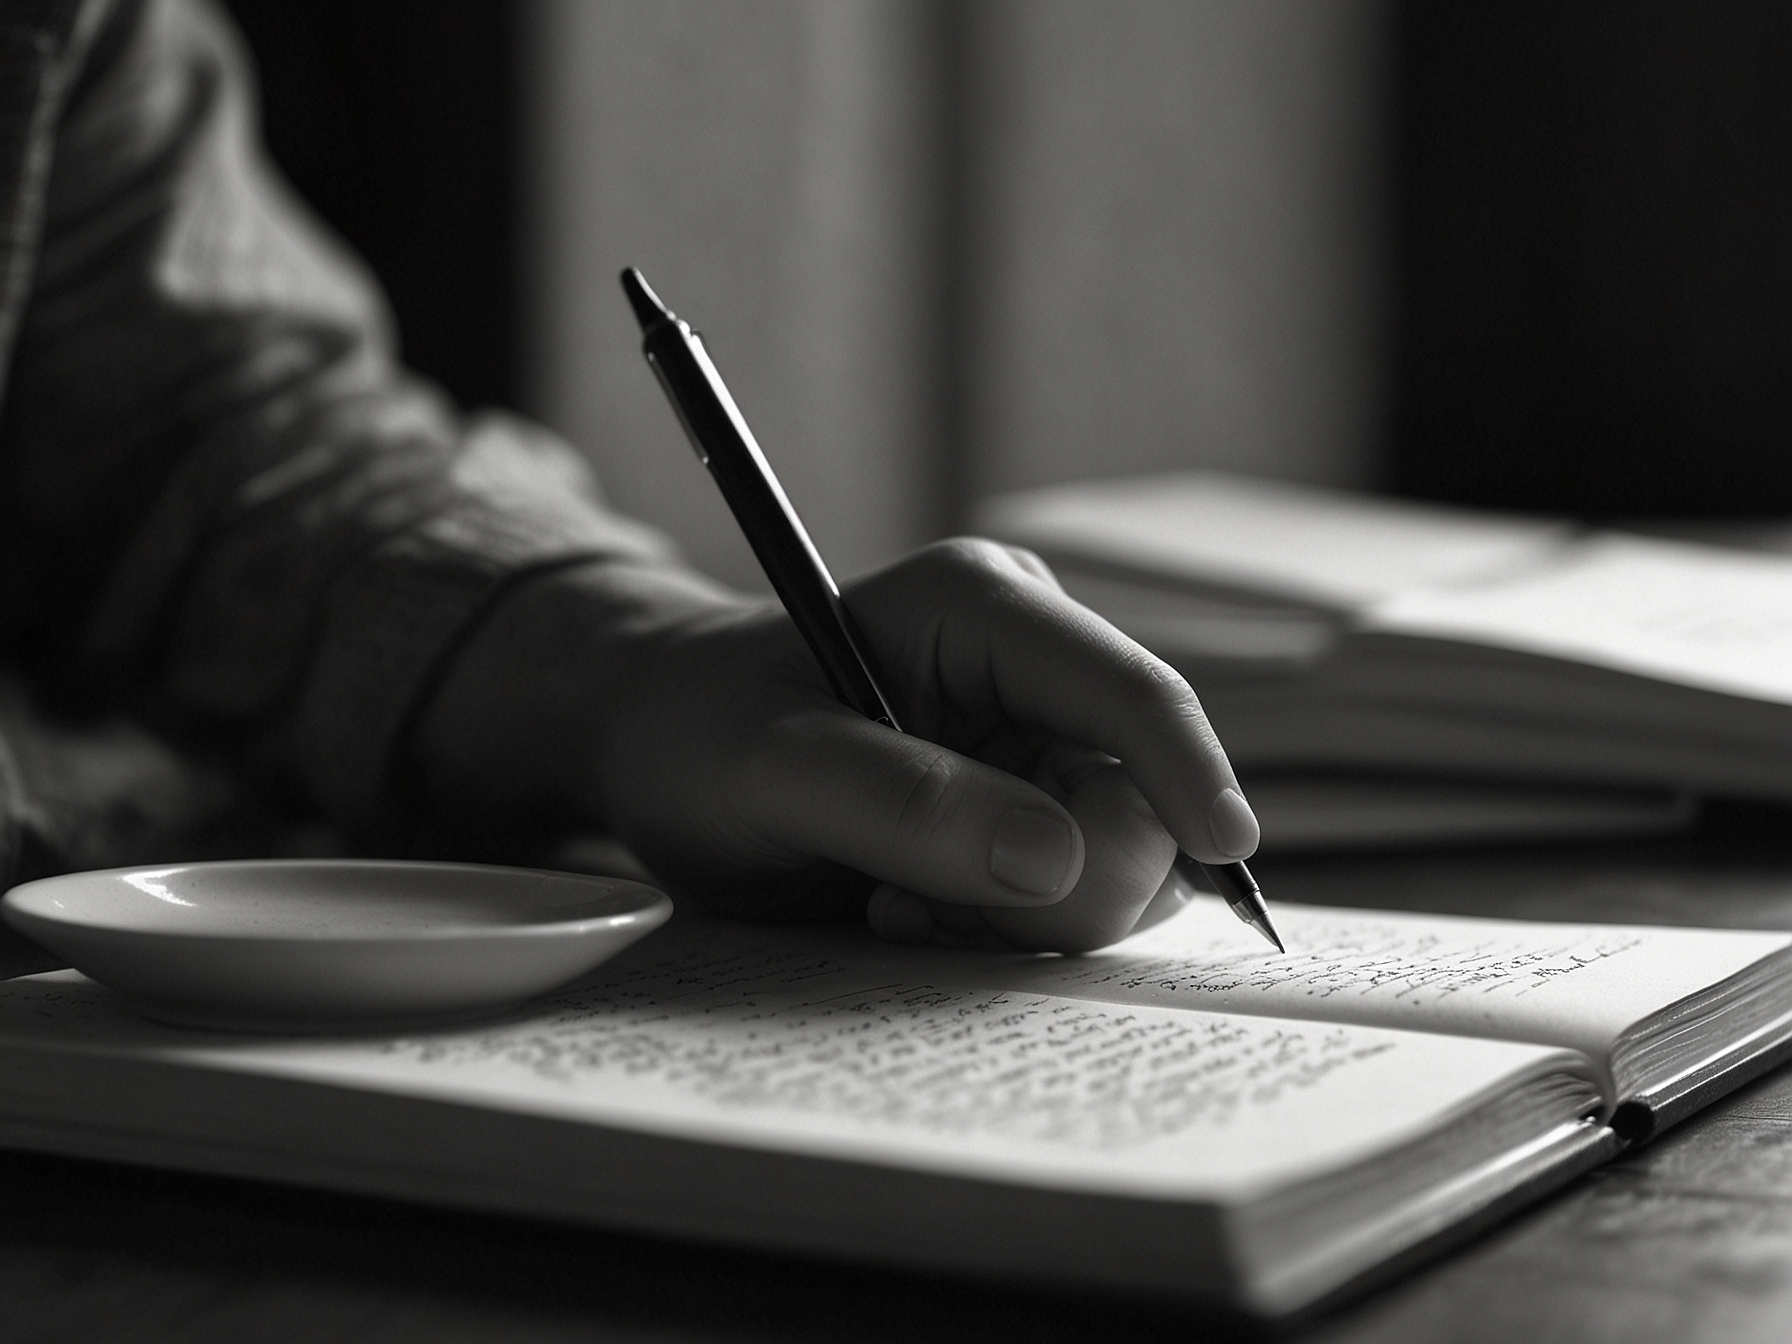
(1334, 632)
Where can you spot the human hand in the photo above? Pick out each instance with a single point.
(1050, 770)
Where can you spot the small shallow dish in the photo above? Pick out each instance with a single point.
(306, 945)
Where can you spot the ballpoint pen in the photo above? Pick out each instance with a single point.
(719, 434)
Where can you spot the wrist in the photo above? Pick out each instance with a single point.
(515, 735)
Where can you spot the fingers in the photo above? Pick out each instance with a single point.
(1127, 856)
(900, 916)
(1172, 898)
(829, 783)
(903, 917)
(1003, 635)
(1126, 873)
(1057, 665)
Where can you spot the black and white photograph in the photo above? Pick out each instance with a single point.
(779, 671)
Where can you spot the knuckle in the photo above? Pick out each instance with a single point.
(1155, 681)
(971, 555)
(1032, 562)
(923, 794)
(979, 569)
(1164, 693)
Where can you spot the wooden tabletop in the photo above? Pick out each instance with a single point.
(1689, 1239)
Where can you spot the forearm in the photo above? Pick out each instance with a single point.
(222, 503)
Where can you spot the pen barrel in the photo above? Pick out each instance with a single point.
(719, 434)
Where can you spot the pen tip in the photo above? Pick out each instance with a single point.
(1263, 926)
(648, 308)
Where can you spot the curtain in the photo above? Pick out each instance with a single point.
(944, 248)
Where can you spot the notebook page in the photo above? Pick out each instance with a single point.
(791, 1052)
(1715, 619)
(1576, 985)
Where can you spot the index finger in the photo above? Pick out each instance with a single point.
(1002, 634)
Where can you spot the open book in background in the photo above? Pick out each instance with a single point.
(1187, 1113)
(1331, 632)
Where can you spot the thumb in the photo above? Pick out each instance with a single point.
(829, 783)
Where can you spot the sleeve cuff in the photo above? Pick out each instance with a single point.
(522, 505)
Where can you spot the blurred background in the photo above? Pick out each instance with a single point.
(1529, 255)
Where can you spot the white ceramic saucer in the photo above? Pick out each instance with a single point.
(331, 945)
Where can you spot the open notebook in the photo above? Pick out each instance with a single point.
(1185, 1113)
(1325, 629)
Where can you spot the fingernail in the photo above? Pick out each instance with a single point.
(1233, 825)
(898, 916)
(1032, 851)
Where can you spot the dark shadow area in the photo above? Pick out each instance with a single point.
(275, 1261)
(398, 121)
(1594, 213)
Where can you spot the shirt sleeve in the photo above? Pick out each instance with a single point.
(222, 501)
